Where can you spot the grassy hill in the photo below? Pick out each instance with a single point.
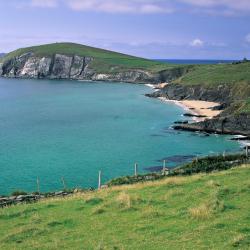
(236, 76)
(196, 212)
(215, 74)
(105, 58)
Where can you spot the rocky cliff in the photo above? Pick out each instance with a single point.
(228, 122)
(76, 67)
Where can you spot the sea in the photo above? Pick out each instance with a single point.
(54, 129)
(195, 61)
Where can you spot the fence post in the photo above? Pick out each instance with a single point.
(247, 151)
(38, 185)
(224, 154)
(136, 169)
(100, 180)
(63, 182)
(164, 167)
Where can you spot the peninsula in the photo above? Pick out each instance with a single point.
(225, 84)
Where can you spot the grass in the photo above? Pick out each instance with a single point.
(105, 60)
(217, 74)
(203, 211)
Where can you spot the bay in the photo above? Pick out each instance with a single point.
(72, 129)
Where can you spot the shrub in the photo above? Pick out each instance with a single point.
(18, 192)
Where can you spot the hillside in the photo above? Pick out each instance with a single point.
(236, 77)
(216, 74)
(226, 84)
(196, 212)
(75, 61)
(71, 49)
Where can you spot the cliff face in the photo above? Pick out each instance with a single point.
(76, 67)
(221, 93)
(56, 67)
(228, 122)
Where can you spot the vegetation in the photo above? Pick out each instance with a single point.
(200, 165)
(235, 75)
(211, 163)
(215, 74)
(193, 212)
(105, 60)
(18, 192)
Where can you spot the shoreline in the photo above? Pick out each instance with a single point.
(194, 107)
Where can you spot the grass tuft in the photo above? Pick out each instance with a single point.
(98, 210)
(124, 200)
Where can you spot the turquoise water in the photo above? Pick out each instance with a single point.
(73, 129)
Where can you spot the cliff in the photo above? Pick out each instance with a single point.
(235, 118)
(79, 62)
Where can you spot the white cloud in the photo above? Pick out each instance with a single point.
(197, 43)
(44, 3)
(125, 6)
(225, 5)
(248, 38)
(208, 7)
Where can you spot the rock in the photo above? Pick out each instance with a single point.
(234, 124)
(194, 115)
(78, 67)
(61, 67)
(181, 122)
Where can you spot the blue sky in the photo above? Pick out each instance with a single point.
(186, 29)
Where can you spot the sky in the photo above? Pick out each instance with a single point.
(173, 29)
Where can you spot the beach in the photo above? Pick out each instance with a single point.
(197, 108)
(203, 108)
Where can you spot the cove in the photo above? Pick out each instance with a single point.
(71, 129)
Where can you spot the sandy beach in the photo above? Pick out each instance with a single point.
(196, 107)
(202, 107)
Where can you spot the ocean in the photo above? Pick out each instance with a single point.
(52, 128)
(194, 61)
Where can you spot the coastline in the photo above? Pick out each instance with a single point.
(193, 107)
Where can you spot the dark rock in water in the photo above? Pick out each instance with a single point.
(181, 122)
(154, 168)
(178, 158)
(155, 135)
(206, 134)
(193, 115)
(170, 131)
(231, 124)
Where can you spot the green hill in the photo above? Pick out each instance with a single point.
(236, 76)
(216, 74)
(104, 58)
(196, 212)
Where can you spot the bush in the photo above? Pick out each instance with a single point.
(18, 192)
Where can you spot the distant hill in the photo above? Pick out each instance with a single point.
(227, 83)
(2, 55)
(76, 61)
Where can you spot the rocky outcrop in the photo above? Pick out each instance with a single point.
(232, 124)
(77, 67)
(228, 122)
(221, 93)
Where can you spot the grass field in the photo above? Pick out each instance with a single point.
(218, 74)
(196, 212)
(105, 59)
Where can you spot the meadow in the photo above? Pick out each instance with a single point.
(202, 211)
